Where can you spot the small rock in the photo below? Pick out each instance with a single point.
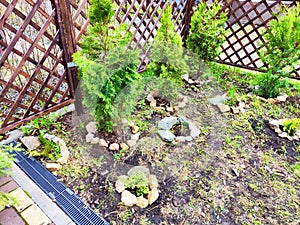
(166, 135)
(134, 129)
(274, 124)
(150, 98)
(167, 123)
(128, 199)
(64, 152)
(153, 183)
(278, 131)
(153, 195)
(53, 166)
(153, 103)
(283, 135)
(223, 108)
(282, 97)
(242, 105)
(194, 131)
(131, 143)
(170, 109)
(114, 147)
(176, 108)
(135, 137)
(158, 108)
(95, 141)
(103, 143)
(12, 136)
(242, 110)
(188, 138)
(190, 81)
(290, 138)
(142, 202)
(185, 77)
(120, 184)
(216, 100)
(180, 139)
(91, 127)
(31, 142)
(89, 137)
(235, 110)
(124, 146)
(139, 169)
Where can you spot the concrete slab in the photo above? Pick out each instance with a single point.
(35, 216)
(10, 217)
(23, 199)
(4, 180)
(8, 187)
(55, 214)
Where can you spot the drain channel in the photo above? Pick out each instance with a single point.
(64, 197)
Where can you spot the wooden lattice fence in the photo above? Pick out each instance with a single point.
(38, 38)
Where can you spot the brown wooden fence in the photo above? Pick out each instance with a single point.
(38, 38)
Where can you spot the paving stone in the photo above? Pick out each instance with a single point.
(10, 217)
(23, 200)
(35, 216)
(8, 187)
(4, 180)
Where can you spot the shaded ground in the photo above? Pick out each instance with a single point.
(237, 172)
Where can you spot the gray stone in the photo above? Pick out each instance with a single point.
(103, 143)
(95, 141)
(89, 137)
(282, 97)
(166, 135)
(91, 127)
(194, 130)
(216, 100)
(139, 169)
(128, 199)
(235, 110)
(13, 136)
(31, 142)
(135, 137)
(188, 138)
(153, 196)
(131, 143)
(185, 77)
(183, 119)
(223, 108)
(167, 123)
(120, 184)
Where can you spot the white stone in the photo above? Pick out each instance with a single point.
(223, 108)
(142, 202)
(64, 152)
(89, 137)
(91, 127)
(53, 166)
(170, 109)
(242, 110)
(274, 124)
(131, 143)
(190, 81)
(153, 103)
(282, 97)
(128, 199)
(235, 110)
(103, 143)
(185, 77)
(283, 135)
(153, 182)
(114, 147)
(153, 196)
(180, 139)
(120, 185)
(31, 142)
(135, 137)
(134, 129)
(95, 141)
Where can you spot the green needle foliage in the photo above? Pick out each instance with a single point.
(207, 32)
(166, 55)
(281, 53)
(105, 64)
(139, 183)
(291, 126)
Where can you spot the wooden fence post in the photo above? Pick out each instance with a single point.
(67, 35)
(188, 16)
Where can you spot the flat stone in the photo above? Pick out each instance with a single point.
(242, 110)
(190, 81)
(89, 137)
(64, 152)
(194, 130)
(170, 109)
(180, 139)
(166, 135)
(124, 146)
(167, 123)
(153, 182)
(139, 169)
(278, 131)
(120, 184)
(10, 217)
(153, 103)
(274, 124)
(53, 166)
(23, 200)
(216, 100)
(188, 138)
(282, 97)
(128, 199)
(131, 143)
(185, 77)
(35, 216)
(135, 137)
(12, 136)
(142, 202)
(31, 142)
(91, 127)
(134, 129)
(103, 143)
(223, 108)
(95, 141)
(114, 147)
(283, 135)
(235, 110)
(153, 196)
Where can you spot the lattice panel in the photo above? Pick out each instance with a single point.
(33, 77)
(247, 22)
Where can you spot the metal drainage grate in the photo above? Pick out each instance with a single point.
(65, 198)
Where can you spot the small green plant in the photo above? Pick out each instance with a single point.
(291, 126)
(232, 101)
(138, 182)
(296, 169)
(166, 54)
(281, 52)
(105, 63)
(207, 32)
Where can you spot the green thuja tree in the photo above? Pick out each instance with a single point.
(166, 53)
(281, 52)
(105, 64)
(207, 31)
